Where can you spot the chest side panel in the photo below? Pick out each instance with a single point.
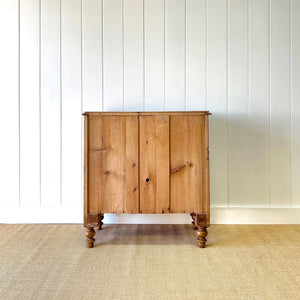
(187, 145)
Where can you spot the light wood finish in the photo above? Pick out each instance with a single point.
(154, 169)
(131, 187)
(86, 170)
(150, 162)
(113, 164)
(187, 155)
(155, 113)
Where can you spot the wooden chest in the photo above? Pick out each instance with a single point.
(146, 162)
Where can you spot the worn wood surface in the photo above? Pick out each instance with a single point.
(113, 164)
(131, 113)
(154, 164)
(187, 162)
(146, 163)
(94, 163)
(131, 166)
(205, 171)
(85, 169)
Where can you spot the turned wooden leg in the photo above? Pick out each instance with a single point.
(100, 223)
(89, 233)
(202, 234)
(201, 224)
(193, 215)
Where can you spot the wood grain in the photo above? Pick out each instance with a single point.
(205, 170)
(147, 158)
(131, 186)
(187, 148)
(139, 163)
(154, 164)
(162, 165)
(112, 164)
(86, 170)
(129, 163)
(94, 163)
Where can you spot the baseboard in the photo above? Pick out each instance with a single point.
(219, 215)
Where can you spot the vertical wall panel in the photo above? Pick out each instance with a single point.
(133, 55)
(50, 103)
(92, 55)
(175, 55)
(259, 104)
(295, 163)
(71, 102)
(113, 55)
(29, 103)
(238, 102)
(154, 54)
(196, 55)
(280, 150)
(217, 99)
(9, 121)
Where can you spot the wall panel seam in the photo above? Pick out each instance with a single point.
(19, 98)
(270, 100)
(40, 104)
(102, 56)
(144, 56)
(60, 99)
(291, 102)
(123, 51)
(185, 52)
(165, 55)
(227, 102)
(206, 55)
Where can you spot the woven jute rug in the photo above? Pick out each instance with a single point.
(150, 262)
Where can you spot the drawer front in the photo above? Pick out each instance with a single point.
(187, 158)
(113, 164)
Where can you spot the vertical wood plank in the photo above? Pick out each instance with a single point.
(187, 161)
(217, 99)
(238, 102)
(162, 164)
(295, 162)
(29, 103)
(147, 166)
(95, 157)
(86, 169)
(131, 184)
(9, 121)
(71, 103)
(133, 55)
(50, 103)
(280, 150)
(92, 55)
(196, 55)
(206, 187)
(113, 164)
(175, 55)
(113, 55)
(154, 54)
(259, 104)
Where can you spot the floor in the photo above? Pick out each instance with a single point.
(150, 262)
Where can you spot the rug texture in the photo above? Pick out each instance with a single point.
(150, 262)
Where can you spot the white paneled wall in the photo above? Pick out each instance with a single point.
(240, 59)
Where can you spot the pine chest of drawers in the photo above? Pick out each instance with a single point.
(146, 162)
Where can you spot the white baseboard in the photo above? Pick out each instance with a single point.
(219, 215)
